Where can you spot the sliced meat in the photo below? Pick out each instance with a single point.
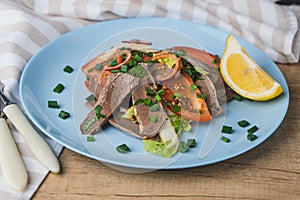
(127, 126)
(150, 117)
(117, 87)
(211, 82)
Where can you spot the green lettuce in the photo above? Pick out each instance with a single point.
(167, 143)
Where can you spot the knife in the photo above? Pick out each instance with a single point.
(13, 167)
(37, 145)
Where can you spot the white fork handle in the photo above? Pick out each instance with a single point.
(37, 145)
(13, 168)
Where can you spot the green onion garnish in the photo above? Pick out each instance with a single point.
(99, 67)
(226, 129)
(237, 97)
(252, 130)
(90, 138)
(161, 92)
(124, 68)
(193, 87)
(147, 102)
(139, 101)
(176, 109)
(137, 58)
(191, 143)
(158, 98)
(90, 98)
(176, 95)
(149, 92)
(154, 108)
(215, 61)
(59, 88)
(201, 96)
(123, 148)
(53, 104)
(153, 119)
(243, 123)
(251, 137)
(68, 69)
(63, 114)
(113, 62)
(97, 111)
(115, 71)
(225, 139)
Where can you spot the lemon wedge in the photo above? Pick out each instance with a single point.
(244, 75)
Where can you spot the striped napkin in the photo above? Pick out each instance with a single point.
(27, 25)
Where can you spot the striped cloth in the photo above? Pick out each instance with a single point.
(27, 25)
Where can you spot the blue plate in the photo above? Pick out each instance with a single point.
(45, 70)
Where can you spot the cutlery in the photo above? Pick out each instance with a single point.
(37, 145)
(13, 167)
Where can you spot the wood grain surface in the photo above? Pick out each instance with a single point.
(269, 171)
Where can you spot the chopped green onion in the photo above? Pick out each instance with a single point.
(90, 138)
(149, 92)
(147, 102)
(53, 104)
(225, 139)
(182, 147)
(139, 101)
(137, 58)
(99, 67)
(63, 114)
(201, 96)
(237, 97)
(59, 88)
(252, 130)
(243, 123)
(251, 137)
(153, 119)
(227, 129)
(123, 148)
(154, 108)
(150, 54)
(176, 109)
(176, 95)
(115, 71)
(97, 111)
(191, 143)
(193, 87)
(68, 69)
(124, 68)
(90, 98)
(158, 98)
(161, 92)
(215, 61)
(113, 62)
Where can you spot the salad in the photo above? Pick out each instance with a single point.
(153, 94)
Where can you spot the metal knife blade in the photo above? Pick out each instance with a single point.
(37, 145)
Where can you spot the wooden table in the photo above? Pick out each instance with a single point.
(269, 171)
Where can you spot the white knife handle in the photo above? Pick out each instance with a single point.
(37, 145)
(13, 168)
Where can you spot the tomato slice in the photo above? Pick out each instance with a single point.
(181, 93)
